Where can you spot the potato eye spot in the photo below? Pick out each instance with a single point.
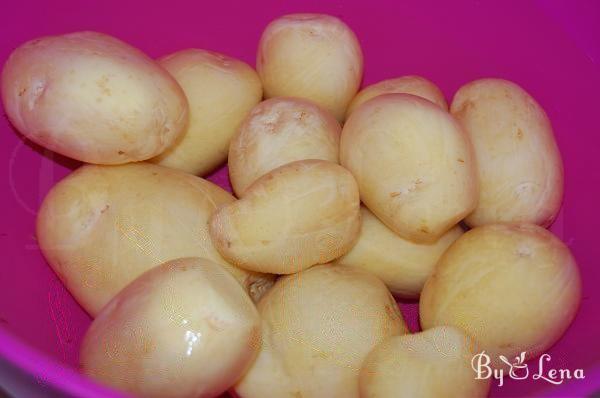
(519, 134)
(524, 251)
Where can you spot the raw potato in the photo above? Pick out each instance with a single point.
(519, 164)
(103, 226)
(415, 85)
(513, 288)
(414, 165)
(298, 215)
(162, 335)
(93, 98)
(280, 131)
(318, 326)
(311, 56)
(431, 364)
(221, 91)
(402, 265)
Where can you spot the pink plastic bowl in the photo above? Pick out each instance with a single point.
(551, 48)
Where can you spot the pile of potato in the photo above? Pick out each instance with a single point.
(285, 290)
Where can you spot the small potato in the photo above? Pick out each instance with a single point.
(402, 265)
(415, 85)
(519, 164)
(311, 56)
(414, 165)
(280, 131)
(298, 215)
(103, 226)
(221, 91)
(513, 288)
(318, 326)
(185, 329)
(431, 364)
(93, 98)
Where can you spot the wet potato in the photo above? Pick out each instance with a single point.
(160, 335)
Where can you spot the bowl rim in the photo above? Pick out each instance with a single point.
(49, 372)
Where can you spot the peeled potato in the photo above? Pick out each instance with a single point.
(513, 288)
(431, 364)
(103, 226)
(184, 329)
(402, 265)
(93, 98)
(415, 85)
(311, 56)
(318, 326)
(414, 165)
(519, 164)
(280, 131)
(221, 91)
(298, 215)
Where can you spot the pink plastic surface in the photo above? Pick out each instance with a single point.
(551, 48)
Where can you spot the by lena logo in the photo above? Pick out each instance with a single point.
(519, 370)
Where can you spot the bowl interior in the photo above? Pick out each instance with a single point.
(546, 47)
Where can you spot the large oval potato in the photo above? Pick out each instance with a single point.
(102, 226)
(311, 56)
(93, 98)
(415, 85)
(519, 164)
(318, 326)
(414, 165)
(300, 214)
(221, 91)
(513, 288)
(431, 364)
(402, 265)
(279, 131)
(159, 337)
